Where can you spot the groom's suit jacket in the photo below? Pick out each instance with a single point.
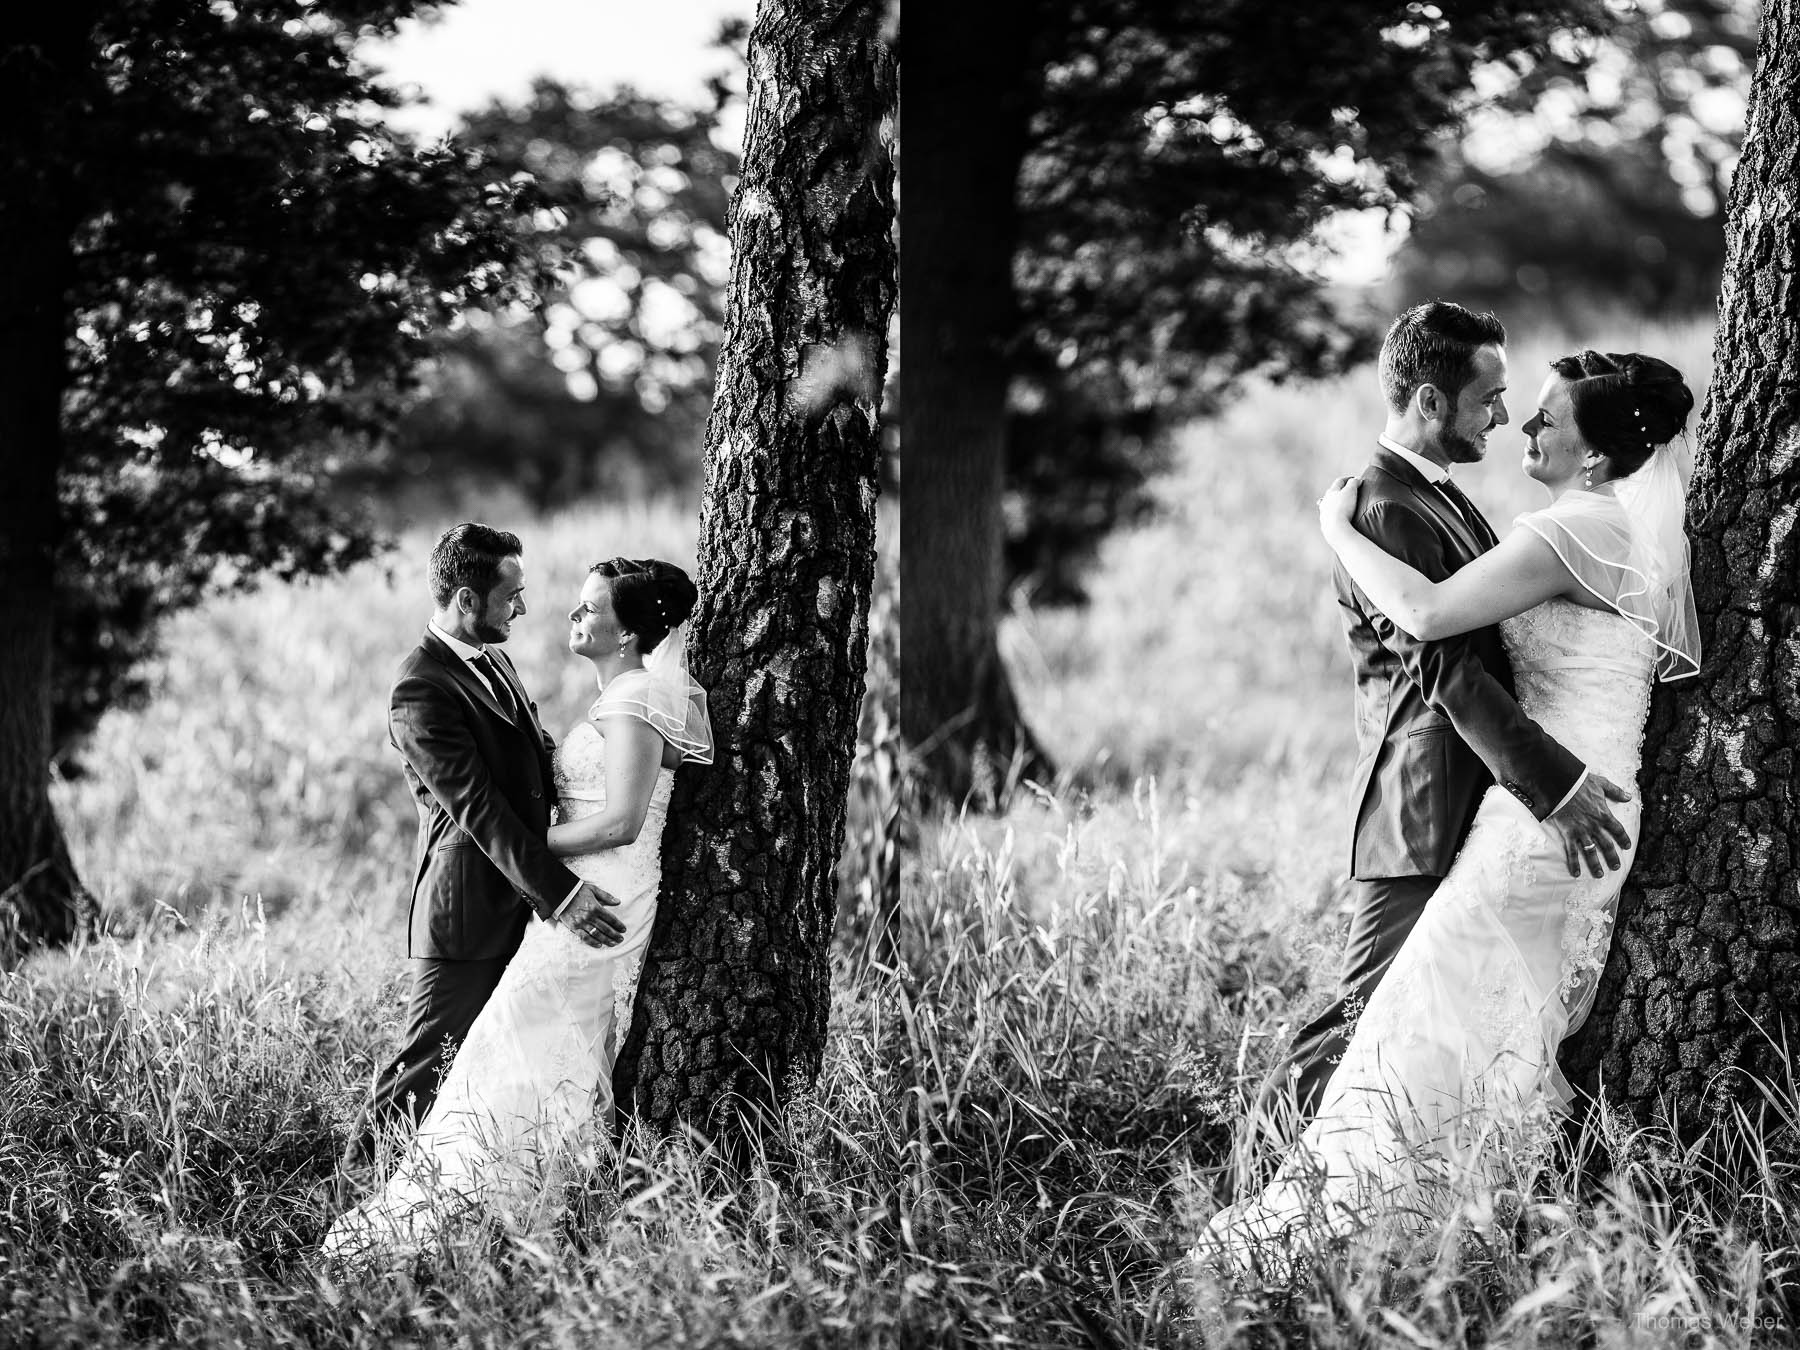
(1436, 722)
(482, 781)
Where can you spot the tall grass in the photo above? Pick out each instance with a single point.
(1034, 1080)
(1019, 1128)
(1201, 708)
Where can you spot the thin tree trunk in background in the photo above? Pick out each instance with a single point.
(966, 123)
(42, 901)
(731, 1010)
(1705, 966)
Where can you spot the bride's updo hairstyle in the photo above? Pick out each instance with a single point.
(1625, 404)
(649, 596)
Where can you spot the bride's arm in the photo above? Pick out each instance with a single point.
(1510, 578)
(633, 755)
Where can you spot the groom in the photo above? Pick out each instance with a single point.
(478, 764)
(1436, 722)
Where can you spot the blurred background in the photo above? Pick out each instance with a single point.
(232, 738)
(1188, 367)
(1168, 604)
(634, 130)
(1219, 208)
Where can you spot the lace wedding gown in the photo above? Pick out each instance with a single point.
(536, 1068)
(1456, 1049)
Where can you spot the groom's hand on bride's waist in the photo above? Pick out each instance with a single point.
(1591, 833)
(590, 917)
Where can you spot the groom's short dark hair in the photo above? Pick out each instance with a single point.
(1434, 343)
(470, 555)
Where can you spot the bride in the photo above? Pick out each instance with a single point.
(537, 1064)
(1457, 1045)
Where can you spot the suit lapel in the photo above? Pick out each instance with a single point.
(468, 679)
(1433, 500)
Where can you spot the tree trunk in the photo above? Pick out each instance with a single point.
(967, 69)
(1705, 968)
(42, 902)
(732, 1006)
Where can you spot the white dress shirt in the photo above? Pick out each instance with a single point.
(469, 655)
(1437, 475)
(1434, 472)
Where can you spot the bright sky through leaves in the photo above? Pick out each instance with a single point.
(480, 50)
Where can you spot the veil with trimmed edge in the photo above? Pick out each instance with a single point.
(668, 699)
(1629, 549)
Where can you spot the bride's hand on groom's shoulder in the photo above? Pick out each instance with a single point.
(1338, 504)
(590, 917)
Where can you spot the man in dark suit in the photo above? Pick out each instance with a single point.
(478, 763)
(1436, 722)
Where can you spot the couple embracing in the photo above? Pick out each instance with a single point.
(1502, 687)
(526, 935)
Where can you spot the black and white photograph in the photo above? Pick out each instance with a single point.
(871, 673)
(446, 709)
(1349, 675)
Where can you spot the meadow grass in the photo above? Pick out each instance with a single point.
(1032, 1091)
(1200, 710)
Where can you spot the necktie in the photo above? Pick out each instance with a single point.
(1464, 507)
(502, 691)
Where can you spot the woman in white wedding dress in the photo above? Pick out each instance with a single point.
(1455, 1052)
(523, 1091)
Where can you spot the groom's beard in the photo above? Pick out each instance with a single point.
(1460, 449)
(487, 632)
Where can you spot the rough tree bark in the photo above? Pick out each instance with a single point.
(1705, 967)
(731, 1009)
(42, 901)
(966, 122)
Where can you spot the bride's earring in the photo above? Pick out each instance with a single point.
(1587, 476)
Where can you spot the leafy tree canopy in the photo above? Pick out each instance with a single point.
(258, 265)
(606, 385)
(1181, 156)
(1600, 179)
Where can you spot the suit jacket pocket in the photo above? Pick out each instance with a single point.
(1425, 792)
(465, 909)
(437, 918)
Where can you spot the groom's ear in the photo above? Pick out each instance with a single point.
(1430, 402)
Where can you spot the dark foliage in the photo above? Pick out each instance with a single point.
(1180, 154)
(1624, 203)
(259, 264)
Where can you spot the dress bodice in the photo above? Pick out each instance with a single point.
(1584, 676)
(633, 869)
(579, 765)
